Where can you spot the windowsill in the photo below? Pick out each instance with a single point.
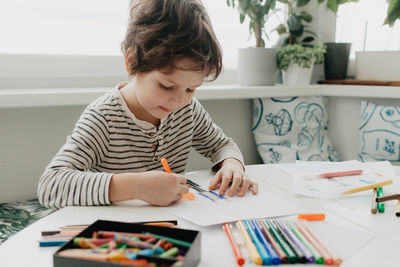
(19, 98)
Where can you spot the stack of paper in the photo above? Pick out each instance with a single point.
(307, 176)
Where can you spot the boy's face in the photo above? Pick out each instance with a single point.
(157, 94)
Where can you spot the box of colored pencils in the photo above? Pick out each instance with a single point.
(111, 243)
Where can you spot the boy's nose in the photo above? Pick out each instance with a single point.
(177, 99)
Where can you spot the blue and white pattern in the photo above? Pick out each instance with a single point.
(290, 129)
(379, 132)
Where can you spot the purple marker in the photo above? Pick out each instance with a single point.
(297, 242)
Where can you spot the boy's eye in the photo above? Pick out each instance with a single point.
(190, 90)
(165, 87)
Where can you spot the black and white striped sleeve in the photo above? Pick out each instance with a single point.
(209, 139)
(68, 179)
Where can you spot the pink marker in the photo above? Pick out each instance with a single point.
(340, 174)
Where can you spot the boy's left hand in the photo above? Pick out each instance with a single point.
(232, 173)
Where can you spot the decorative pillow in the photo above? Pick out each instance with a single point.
(18, 215)
(290, 129)
(379, 132)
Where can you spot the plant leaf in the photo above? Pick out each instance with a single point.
(393, 11)
(301, 3)
(294, 22)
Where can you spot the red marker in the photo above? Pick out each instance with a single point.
(236, 250)
(340, 174)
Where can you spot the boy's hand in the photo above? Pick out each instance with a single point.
(155, 187)
(232, 173)
(162, 189)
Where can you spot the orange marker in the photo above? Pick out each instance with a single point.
(236, 250)
(312, 217)
(165, 165)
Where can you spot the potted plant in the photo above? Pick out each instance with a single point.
(296, 31)
(297, 61)
(256, 65)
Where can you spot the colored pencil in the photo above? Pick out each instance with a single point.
(386, 198)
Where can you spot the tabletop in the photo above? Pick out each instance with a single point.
(381, 230)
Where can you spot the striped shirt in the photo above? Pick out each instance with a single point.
(108, 139)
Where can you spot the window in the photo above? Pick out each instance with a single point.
(362, 25)
(97, 27)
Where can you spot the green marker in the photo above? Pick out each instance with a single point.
(174, 241)
(288, 250)
(318, 258)
(381, 205)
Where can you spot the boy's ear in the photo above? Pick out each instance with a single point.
(128, 60)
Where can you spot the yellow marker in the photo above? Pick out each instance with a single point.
(254, 255)
(367, 187)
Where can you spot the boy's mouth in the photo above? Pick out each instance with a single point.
(165, 109)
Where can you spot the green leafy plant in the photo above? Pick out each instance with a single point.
(295, 29)
(256, 11)
(304, 56)
(393, 12)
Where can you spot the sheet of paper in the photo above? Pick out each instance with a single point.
(307, 182)
(204, 212)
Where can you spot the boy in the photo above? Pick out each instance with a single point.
(115, 149)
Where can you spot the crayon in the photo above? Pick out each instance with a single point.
(293, 258)
(52, 243)
(174, 241)
(236, 250)
(169, 253)
(386, 198)
(254, 255)
(265, 256)
(274, 243)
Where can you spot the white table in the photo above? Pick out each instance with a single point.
(22, 249)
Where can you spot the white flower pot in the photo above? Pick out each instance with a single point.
(296, 76)
(378, 65)
(257, 66)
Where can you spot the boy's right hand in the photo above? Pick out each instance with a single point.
(154, 187)
(162, 189)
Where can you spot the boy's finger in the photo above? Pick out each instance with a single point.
(254, 188)
(245, 186)
(236, 181)
(183, 189)
(226, 179)
(182, 179)
(215, 181)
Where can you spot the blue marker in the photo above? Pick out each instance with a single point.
(266, 259)
(216, 194)
(275, 258)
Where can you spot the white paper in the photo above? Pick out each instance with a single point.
(204, 212)
(306, 181)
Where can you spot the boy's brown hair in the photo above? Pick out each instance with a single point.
(163, 31)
